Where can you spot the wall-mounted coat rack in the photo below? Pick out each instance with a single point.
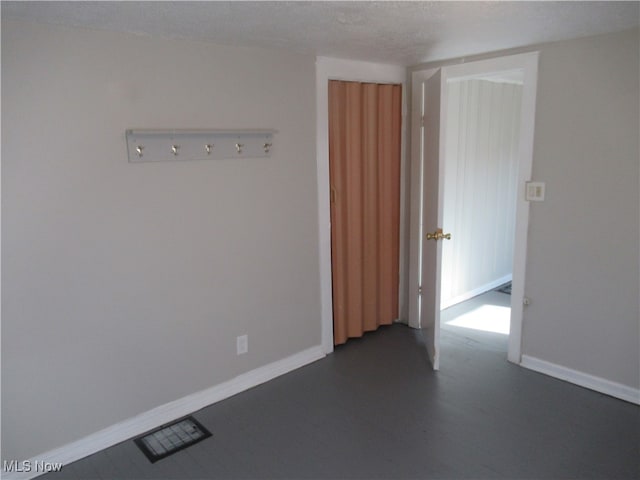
(180, 145)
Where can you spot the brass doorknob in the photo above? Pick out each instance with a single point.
(438, 235)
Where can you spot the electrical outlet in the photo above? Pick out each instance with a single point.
(242, 344)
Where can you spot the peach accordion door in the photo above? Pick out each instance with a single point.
(364, 166)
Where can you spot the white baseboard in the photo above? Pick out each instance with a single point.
(167, 413)
(598, 384)
(450, 302)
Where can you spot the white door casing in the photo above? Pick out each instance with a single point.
(350, 70)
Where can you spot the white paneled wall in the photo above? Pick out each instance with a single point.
(480, 186)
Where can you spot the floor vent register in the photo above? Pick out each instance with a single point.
(169, 439)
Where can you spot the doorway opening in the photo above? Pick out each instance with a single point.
(428, 238)
(479, 202)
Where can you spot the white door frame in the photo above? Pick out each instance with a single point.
(356, 71)
(528, 63)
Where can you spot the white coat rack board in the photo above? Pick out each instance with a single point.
(182, 145)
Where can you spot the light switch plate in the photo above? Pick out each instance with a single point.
(535, 191)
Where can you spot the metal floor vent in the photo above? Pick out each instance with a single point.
(172, 438)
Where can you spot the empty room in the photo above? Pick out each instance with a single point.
(320, 240)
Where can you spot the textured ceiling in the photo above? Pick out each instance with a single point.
(404, 33)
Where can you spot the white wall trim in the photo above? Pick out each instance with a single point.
(357, 71)
(168, 412)
(582, 379)
(475, 292)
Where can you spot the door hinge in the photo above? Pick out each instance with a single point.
(420, 290)
(422, 120)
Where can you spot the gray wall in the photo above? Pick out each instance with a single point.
(124, 286)
(583, 262)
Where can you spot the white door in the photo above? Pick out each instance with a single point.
(432, 213)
